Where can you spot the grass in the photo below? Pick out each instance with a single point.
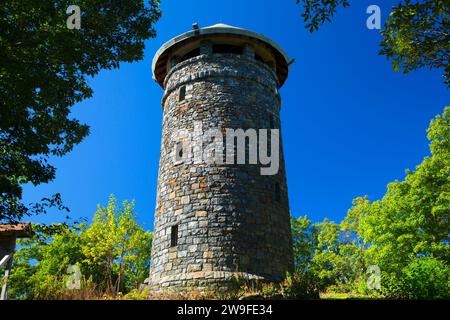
(344, 296)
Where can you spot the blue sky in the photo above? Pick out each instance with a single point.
(350, 124)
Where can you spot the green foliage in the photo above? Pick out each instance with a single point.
(117, 250)
(299, 286)
(136, 294)
(304, 236)
(327, 253)
(295, 286)
(327, 263)
(19, 282)
(317, 12)
(44, 70)
(63, 251)
(405, 233)
(416, 34)
(412, 218)
(422, 278)
(40, 263)
(113, 255)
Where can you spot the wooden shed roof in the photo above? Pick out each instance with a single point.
(18, 230)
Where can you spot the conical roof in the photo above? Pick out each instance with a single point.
(222, 25)
(162, 56)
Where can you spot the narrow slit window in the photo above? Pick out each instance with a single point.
(182, 93)
(271, 121)
(174, 236)
(277, 192)
(179, 151)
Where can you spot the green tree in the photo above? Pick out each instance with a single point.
(411, 220)
(113, 255)
(422, 278)
(327, 263)
(304, 236)
(329, 254)
(353, 246)
(317, 12)
(44, 71)
(40, 263)
(405, 233)
(415, 35)
(116, 249)
(64, 250)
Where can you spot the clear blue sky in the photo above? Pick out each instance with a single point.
(350, 124)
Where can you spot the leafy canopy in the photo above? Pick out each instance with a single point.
(44, 70)
(117, 250)
(405, 233)
(113, 255)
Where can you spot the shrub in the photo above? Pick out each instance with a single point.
(422, 278)
(136, 294)
(299, 286)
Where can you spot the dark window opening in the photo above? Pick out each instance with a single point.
(182, 93)
(190, 54)
(227, 48)
(174, 236)
(277, 192)
(179, 151)
(259, 58)
(271, 121)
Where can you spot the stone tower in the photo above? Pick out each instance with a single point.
(216, 220)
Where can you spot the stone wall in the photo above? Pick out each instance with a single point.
(230, 220)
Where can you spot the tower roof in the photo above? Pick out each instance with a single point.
(162, 56)
(221, 25)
